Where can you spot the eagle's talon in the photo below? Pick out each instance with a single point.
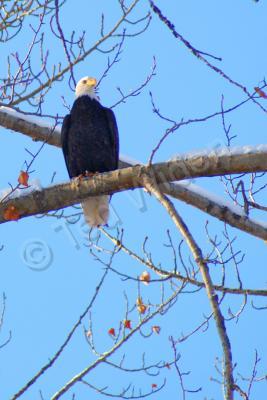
(89, 174)
(77, 179)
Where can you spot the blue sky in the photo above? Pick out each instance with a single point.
(47, 290)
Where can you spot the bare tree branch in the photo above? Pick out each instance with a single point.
(174, 274)
(30, 126)
(217, 209)
(64, 344)
(184, 167)
(60, 74)
(151, 186)
(199, 54)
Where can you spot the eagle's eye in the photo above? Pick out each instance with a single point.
(84, 81)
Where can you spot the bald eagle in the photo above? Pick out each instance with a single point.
(90, 144)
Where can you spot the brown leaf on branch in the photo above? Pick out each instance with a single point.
(156, 329)
(141, 307)
(23, 178)
(11, 213)
(145, 277)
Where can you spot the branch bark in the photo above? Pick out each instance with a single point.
(213, 208)
(18, 122)
(63, 195)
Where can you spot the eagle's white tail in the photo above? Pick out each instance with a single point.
(96, 210)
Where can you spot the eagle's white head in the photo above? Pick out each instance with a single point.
(86, 86)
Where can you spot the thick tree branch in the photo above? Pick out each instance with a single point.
(29, 126)
(37, 130)
(63, 195)
(223, 212)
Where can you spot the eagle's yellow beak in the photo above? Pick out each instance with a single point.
(91, 82)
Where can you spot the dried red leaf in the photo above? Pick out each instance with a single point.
(145, 277)
(23, 178)
(260, 92)
(111, 332)
(127, 324)
(11, 213)
(154, 386)
(156, 329)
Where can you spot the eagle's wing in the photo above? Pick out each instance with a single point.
(64, 138)
(113, 129)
